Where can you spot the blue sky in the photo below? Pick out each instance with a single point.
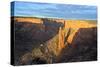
(51, 10)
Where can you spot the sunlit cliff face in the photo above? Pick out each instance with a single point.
(31, 20)
(75, 25)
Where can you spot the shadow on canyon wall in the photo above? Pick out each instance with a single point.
(82, 48)
(31, 35)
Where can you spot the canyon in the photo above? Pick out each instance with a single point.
(50, 40)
